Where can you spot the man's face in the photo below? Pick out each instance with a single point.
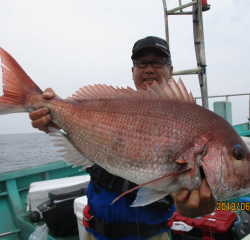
(149, 74)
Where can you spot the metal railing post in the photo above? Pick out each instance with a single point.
(180, 5)
(166, 21)
(200, 50)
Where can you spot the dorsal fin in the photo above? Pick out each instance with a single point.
(183, 90)
(167, 89)
(170, 90)
(151, 91)
(176, 89)
(159, 90)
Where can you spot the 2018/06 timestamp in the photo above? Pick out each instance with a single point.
(232, 206)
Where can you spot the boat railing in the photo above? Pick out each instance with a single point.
(229, 95)
(226, 95)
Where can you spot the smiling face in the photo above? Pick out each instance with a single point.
(148, 74)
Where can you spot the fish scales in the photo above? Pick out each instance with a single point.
(124, 123)
(158, 143)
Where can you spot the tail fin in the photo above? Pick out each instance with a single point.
(16, 86)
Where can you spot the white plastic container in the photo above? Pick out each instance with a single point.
(247, 237)
(79, 205)
(38, 191)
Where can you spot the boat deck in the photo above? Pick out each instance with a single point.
(14, 187)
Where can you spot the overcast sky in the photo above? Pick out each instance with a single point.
(69, 44)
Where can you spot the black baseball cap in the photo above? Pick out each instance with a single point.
(154, 42)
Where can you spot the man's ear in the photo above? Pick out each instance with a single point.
(133, 73)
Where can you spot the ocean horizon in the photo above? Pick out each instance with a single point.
(23, 150)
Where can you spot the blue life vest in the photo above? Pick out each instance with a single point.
(121, 212)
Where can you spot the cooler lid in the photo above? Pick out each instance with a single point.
(77, 190)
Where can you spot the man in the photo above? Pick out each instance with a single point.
(151, 61)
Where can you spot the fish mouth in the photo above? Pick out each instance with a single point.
(199, 172)
(203, 176)
(202, 173)
(198, 162)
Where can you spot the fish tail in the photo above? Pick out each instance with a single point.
(17, 86)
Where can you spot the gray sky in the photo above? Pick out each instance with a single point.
(69, 44)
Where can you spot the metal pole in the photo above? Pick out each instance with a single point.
(186, 72)
(166, 21)
(181, 13)
(229, 95)
(180, 5)
(10, 233)
(200, 50)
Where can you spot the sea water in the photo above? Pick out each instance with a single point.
(19, 151)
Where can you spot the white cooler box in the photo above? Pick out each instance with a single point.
(38, 191)
(79, 205)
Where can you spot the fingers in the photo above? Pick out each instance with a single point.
(188, 200)
(49, 93)
(41, 122)
(207, 200)
(187, 203)
(47, 126)
(195, 203)
(182, 196)
(194, 200)
(38, 113)
(41, 119)
(205, 193)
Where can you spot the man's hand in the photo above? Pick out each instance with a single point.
(195, 203)
(41, 118)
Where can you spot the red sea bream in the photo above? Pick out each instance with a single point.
(158, 138)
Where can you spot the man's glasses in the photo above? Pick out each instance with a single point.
(140, 63)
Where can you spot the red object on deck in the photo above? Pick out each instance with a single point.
(217, 222)
(204, 2)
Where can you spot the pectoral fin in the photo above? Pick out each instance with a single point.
(145, 196)
(152, 191)
(70, 153)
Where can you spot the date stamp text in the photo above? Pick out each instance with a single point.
(233, 206)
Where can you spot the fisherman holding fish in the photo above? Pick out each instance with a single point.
(151, 61)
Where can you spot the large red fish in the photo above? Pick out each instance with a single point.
(159, 138)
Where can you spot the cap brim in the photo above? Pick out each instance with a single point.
(150, 47)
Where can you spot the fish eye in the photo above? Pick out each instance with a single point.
(238, 153)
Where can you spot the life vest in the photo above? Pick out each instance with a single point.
(109, 182)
